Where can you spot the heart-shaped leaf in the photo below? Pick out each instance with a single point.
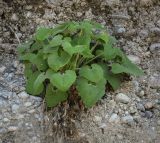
(56, 61)
(43, 33)
(93, 73)
(54, 97)
(63, 81)
(90, 93)
(126, 67)
(78, 49)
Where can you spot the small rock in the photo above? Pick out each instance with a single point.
(6, 120)
(79, 14)
(154, 47)
(15, 108)
(12, 128)
(2, 69)
(146, 2)
(140, 107)
(102, 125)
(27, 104)
(15, 64)
(32, 111)
(155, 31)
(3, 130)
(39, 99)
(127, 119)
(134, 59)
(119, 29)
(155, 81)
(148, 105)
(14, 17)
(132, 110)
(158, 122)
(148, 114)
(97, 119)
(120, 97)
(143, 34)
(28, 7)
(23, 95)
(141, 93)
(120, 136)
(114, 118)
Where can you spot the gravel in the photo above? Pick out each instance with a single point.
(120, 97)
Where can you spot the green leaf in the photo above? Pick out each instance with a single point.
(112, 79)
(90, 93)
(103, 36)
(43, 33)
(63, 81)
(22, 48)
(38, 84)
(49, 73)
(97, 25)
(30, 84)
(127, 67)
(28, 70)
(78, 49)
(56, 61)
(36, 46)
(109, 52)
(27, 57)
(54, 97)
(93, 73)
(40, 63)
(56, 41)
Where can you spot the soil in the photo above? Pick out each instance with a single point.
(136, 26)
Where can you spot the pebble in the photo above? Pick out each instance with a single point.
(3, 130)
(127, 119)
(2, 69)
(158, 122)
(31, 111)
(141, 93)
(6, 120)
(134, 59)
(23, 95)
(120, 29)
(102, 126)
(114, 118)
(154, 47)
(140, 107)
(12, 128)
(15, 108)
(14, 17)
(79, 14)
(148, 105)
(155, 81)
(148, 114)
(27, 104)
(97, 118)
(120, 97)
(132, 110)
(143, 34)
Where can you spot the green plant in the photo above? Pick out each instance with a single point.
(79, 54)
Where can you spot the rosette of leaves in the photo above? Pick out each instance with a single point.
(80, 54)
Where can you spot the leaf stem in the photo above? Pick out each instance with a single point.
(93, 59)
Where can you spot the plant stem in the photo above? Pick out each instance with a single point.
(93, 59)
(92, 49)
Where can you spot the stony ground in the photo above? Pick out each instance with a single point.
(128, 115)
